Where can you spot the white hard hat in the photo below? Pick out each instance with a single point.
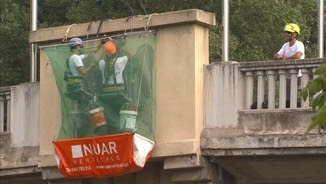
(74, 42)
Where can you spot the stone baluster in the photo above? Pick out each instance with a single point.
(271, 89)
(282, 92)
(8, 99)
(260, 89)
(249, 89)
(2, 113)
(293, 88)
(304, 82)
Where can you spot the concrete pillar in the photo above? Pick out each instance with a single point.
(304, 82)
(293, 88)
(223, 95)
(249, 89)
(282, 92)
(271, 89)
(8, 100)
(260, 89)
(2, 113)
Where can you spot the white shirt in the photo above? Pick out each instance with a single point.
(75, 61)
(288, 51)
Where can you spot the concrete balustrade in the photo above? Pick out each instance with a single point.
(271, 87)
(263, 122)
(260, 85)
(249, 89)
(4, 109)
(282, 90)
(283, 84)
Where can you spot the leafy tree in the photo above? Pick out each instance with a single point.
(256, 27)
(14, 29)
(53, 13)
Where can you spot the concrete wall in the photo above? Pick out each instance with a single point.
(19, 146)
(181, 53)
(25, 115)
(50, 114)
(259, 145)
(180, 88)
(224, 95)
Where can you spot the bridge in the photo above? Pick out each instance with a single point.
(235, 122)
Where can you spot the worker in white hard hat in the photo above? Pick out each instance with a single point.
(74, 76)
(76, 66)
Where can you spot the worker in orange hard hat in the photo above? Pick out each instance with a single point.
(113, 64)
(109, 48)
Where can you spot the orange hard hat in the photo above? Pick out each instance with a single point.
(109, 47)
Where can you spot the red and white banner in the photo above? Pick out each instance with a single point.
(102, 156)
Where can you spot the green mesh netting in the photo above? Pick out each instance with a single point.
(115, 96)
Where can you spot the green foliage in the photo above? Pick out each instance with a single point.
(53, 13)
(256, 27)
(256, 31)
(14, 29)
(316, 88)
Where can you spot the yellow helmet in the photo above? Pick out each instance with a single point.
(291, 27)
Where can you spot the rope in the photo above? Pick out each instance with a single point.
(145, 55)
(126, 25)
(148, 20)
(98, 29)
(67, 31)
(89, 26)
(142, 72)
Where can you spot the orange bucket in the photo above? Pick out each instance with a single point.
(97, 116)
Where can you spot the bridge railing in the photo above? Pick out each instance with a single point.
(19, 114)
(263, 85)
(5, 109)
(277, 84)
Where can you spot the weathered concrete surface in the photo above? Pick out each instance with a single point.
(153, 173)
(223, 91)
(112, 26)
(266, 129)
(205, 172)
(285, 121)
(18, 162)
(269, 147)
(19, 147)
(291, 169)
(25, 113)
(12, 159)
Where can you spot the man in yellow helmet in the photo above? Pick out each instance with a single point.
(293, 49)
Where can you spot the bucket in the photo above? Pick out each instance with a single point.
(128, 120)
(97, 116)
